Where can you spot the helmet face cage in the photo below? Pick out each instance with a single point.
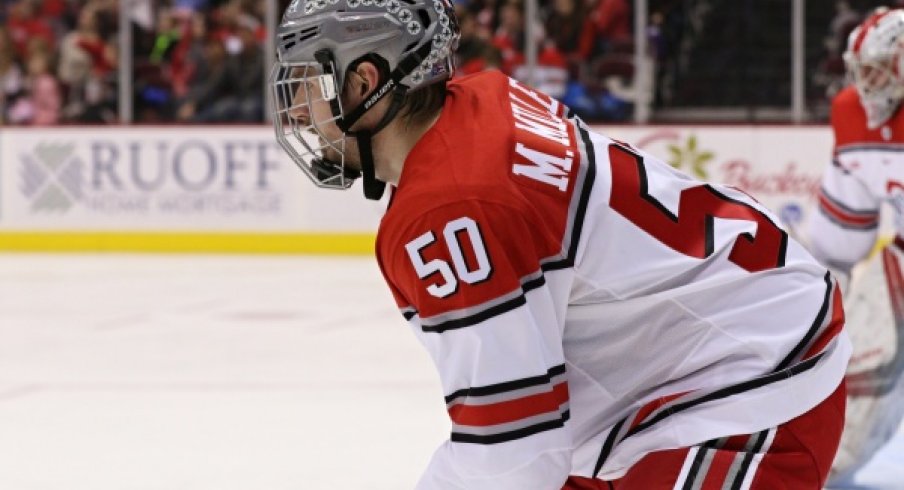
(319, 40)
(295, 89)
(875, 63)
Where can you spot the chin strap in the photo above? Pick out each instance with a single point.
(374, 188)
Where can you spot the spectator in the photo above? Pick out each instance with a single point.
(46, 97)
(87, 64)
(207, 86)
(474, 53)
(510, 36)
(566, 23)
(246, 67)
(610, 27)
(188, 54)
(24, 25)
(11, 80)
(178, 74)
(486, 13)
(41, 106)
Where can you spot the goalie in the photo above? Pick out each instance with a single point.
(868, 170)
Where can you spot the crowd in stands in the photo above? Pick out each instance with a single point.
(581, 45)
(201, 61)
(193, 61)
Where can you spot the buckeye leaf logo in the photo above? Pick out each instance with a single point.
(690, 156)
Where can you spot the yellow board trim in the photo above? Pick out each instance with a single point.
(177, 242)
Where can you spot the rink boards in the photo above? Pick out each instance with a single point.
(231, 189)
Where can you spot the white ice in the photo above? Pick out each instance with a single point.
(195, 372)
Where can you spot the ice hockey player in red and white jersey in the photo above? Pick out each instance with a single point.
(598, 319)
(868, 170)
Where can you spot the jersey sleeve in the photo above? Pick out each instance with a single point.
(845, 226)
(468, 278)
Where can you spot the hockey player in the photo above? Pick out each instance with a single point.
(868, 170)
(598, 319)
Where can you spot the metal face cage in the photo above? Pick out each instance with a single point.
(300, 91)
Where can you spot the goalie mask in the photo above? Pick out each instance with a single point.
(875, 60)
(318, 42)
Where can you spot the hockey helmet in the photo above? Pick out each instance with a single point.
(875, 60)
(318, 41)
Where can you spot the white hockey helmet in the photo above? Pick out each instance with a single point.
(319, 40)
(875, 59)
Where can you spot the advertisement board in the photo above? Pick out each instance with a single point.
(165, 179)
(231, 188)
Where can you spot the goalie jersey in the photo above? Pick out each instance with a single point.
(866, 171)
(585, 303)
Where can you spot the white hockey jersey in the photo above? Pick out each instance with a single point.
(586, 304)
(867, 170)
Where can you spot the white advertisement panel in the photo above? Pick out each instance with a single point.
(198, 179)
(236, 179)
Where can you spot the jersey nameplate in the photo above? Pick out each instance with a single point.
(542, 143)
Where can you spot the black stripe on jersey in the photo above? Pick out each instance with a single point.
(581, 210)
(748, 458)
(514, 434)
(864, 213)
(837, 163)
(874, 147)
(667, 410)
(584, 198)
(488, 313)
(476, 318)
(517, 384)
(846, 225)
(608, 445)
(695, 468)
(855, 213)
(730, 391)
(408, 315)
(814, 327)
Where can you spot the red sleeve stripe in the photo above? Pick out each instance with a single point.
(846, 217)
(509, 432)
(511, 410)
(832, 329)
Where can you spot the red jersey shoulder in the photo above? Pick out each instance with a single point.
(459, 255)
(848, 117)
(849, 122)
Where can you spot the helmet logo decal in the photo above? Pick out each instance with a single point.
(367, 27)
(378, 94)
